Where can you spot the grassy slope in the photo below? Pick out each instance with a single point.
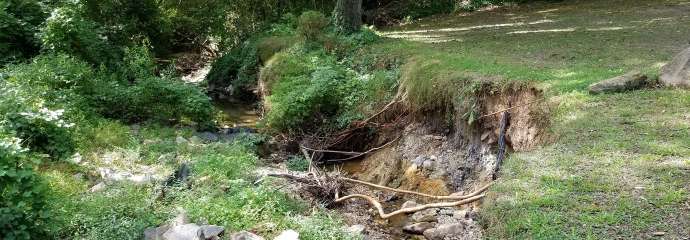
(619, 166)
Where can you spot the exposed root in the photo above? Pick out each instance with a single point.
(364, 153)
(450, 197)
(385, 215)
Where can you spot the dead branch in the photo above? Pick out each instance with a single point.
(364, 153)
(330, 151)
(385, 215)
(451, 197)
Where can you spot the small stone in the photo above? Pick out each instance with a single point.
(211, 231)
(419, 160)
(460, 214)
(428, 164)
(181, 140)
(244, 235)
(485, 135)
(76, 158)
(355, 229)
(467, 229)
(418, 228)
(98, 187)
(658, 234)
(288, 235)
(196, 140)
(428, 215)
(409, 204)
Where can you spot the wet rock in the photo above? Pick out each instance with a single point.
(409, 204)
(356, 229)
(677, 72)
(630, 81)
(418, 228)
(184, 232)
(244, 235)
(464, 230)
(98, 187)
(208, 136)
(181, 140)
(212, 231)
(288, 235)
(428, 215)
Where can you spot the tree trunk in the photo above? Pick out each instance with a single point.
(347, 15)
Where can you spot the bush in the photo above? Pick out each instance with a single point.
(23, 212)
(19, 22)
(237, 70)
(297, 163)
(311, 25)
(68, 31)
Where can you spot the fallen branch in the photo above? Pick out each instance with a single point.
(451, 197)
(385, 215)
(364, 153)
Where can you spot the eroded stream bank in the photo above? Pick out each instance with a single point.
(425, 153)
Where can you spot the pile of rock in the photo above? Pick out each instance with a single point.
(180, 228)
(443, 224)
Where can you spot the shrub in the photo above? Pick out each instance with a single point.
(238, 70)
(311, 25)
(19, 20)
(23, 212)
(43, 132)
(297, 163)
(68, 31)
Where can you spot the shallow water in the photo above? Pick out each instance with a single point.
(234, 114)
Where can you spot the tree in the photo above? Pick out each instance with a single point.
(347, 15)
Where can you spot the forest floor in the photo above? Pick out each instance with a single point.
(618, 165)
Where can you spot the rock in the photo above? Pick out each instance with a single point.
(98, 187)
(629, 81)
(156, 233)
(244, 235)
(181, 140)
(677, 72)
(428, 164)
(196, 140)
(356, 229)
(465, 230)
(658, 234)
(409, 204)
(418, 228)
(184, 232)
(212, 231)
(428, 215)
(288, 235)
(208, 136)
(460, 214)
(419, 160)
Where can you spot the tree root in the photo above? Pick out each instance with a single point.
(385, 215)
(451, 197)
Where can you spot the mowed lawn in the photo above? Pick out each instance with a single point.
(618, 165)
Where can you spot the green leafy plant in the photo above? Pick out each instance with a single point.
(311, 25)
(23, 212)
(297, 163)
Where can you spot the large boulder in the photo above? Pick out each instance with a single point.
(629, 81)
(677, 72)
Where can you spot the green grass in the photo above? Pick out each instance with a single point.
(222, 190)
(617, 166)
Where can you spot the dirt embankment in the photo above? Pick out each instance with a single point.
(436, 156)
